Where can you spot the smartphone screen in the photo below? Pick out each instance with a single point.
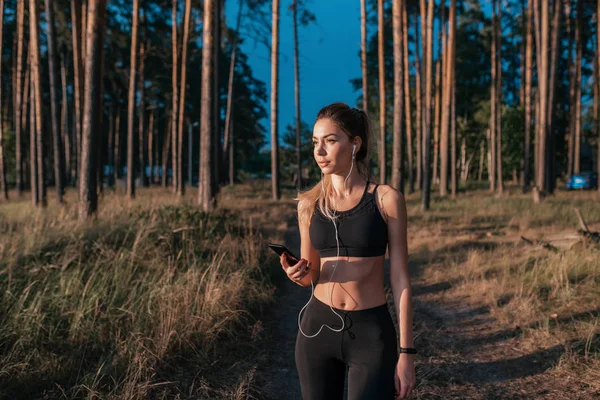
(280, 249)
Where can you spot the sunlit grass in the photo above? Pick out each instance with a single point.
(111, 307)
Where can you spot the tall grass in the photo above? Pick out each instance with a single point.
(124, 306)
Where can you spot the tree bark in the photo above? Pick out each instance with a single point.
(76, 34)
(141, 147)
(131, 145)
(64, 123)
(407, 113)
(419, 108)
(440, 81)
(551, 146)
(382, 105)
(3, 188)
(216, 148)
(37, 83)
(88, 198)
(498, 120)
(274, 101)
(151, 146)
(597, 82)
(428, 81)
(52, 72)
(205, 195)
(33, 160)
(174, 98)
(117, 154)
(19, 89)
(543, 87)
(449, 105)
(182, 92)
(528, 78)
(363, 54)
(297, 97)
(493, 101)
(571, 69)
(578, 66)
(165, 153)
(397, 159)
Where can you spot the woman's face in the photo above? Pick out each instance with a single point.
(332, 147)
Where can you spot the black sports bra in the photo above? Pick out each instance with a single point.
(362, 231)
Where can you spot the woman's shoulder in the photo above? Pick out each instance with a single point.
(389, 199)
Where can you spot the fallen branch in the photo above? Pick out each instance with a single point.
(542, 243)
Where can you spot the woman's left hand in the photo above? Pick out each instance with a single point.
(405, 376)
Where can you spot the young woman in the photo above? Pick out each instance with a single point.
(346, 225)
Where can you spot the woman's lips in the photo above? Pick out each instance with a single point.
(323, 163)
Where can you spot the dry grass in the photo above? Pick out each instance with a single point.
(152, 299)
(471, 248)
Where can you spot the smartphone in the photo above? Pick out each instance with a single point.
(280, 249)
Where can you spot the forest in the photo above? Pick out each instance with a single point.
(142, 162)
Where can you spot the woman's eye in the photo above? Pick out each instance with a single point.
(331, 141)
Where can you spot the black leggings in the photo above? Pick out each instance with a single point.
(366, 346)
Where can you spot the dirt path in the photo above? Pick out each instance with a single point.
(464, 352)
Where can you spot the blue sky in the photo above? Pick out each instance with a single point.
(329, 58)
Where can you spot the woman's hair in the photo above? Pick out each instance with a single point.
(353, 122)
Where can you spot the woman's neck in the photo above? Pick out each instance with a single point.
(354, 183)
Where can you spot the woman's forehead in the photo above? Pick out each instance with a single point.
(325, 126)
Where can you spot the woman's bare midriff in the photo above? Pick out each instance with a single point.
(357, 283)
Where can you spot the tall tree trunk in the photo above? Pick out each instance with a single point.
(493, 100)
(19, 89)
(165, 153)
(578, 66)
(88, 199)
(382, 105)
(500, 181)
(481, 160)
(297, 97)
(3, 187)
(397, 159)
(27, 88)
(543, 85)
(522, 50)
(37, 83)
(131, 145)
(151, 146)
(205, 195)
(363, 53)
(571, 69)
(76, 34)
(228, 112)
(52, 71)
(111, 137)
(231, 164)
(419, 108)
(216, 119)
(33, 160)
(428, 81)
(64, 121)
(454, 188)
(117, 154)
(274, 101)
(448, 88)
(141, 147)
(528, 77)
(182, 92)
(174, 98)
(407, 113)
(440, 70)
(597, 82)
(551, 147)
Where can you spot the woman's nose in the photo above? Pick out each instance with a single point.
(319, 149)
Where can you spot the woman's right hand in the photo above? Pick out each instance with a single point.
(296, 272)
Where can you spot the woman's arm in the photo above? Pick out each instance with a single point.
(308, 252)
(394, 208)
